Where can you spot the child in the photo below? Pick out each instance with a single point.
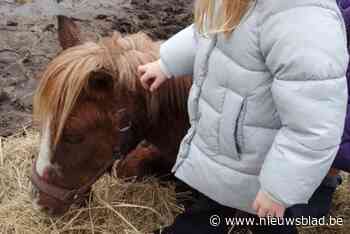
(267, 106)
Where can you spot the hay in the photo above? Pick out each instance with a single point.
(117, 206)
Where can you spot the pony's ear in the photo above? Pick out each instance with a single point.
(68, 32)
(100, 85)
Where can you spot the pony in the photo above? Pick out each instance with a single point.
(91, 110)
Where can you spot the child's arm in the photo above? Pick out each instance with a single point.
(305, 50)
(176, 59)
(178, 53)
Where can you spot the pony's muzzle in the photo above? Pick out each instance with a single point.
(43, 202)
(46, 204)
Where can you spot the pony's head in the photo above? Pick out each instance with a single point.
(82, 105)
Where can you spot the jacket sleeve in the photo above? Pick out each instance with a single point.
(178, 53)
(305, 51)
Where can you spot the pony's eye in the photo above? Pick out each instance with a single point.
(73, 139)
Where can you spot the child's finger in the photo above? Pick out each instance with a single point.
(141, 70)
(271, 213)
(155, 85)
(280, 213)
(262, 212)
(146, 77)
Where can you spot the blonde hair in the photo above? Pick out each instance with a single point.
(209, 22)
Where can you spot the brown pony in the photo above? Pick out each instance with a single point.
(92, 108)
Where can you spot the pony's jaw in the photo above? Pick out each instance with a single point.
(43, 163)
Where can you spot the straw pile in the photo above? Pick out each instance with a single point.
(117, 206)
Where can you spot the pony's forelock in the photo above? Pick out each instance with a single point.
(67, 75)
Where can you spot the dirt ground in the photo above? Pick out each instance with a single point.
(28, 40)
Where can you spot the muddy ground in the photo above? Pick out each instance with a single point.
(28, 40)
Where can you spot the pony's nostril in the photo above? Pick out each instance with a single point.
(50, 173)
(46, 174)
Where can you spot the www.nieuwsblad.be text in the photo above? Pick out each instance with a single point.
(216, 220)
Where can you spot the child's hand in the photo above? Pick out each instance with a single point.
(152, 75)
(265, 206)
